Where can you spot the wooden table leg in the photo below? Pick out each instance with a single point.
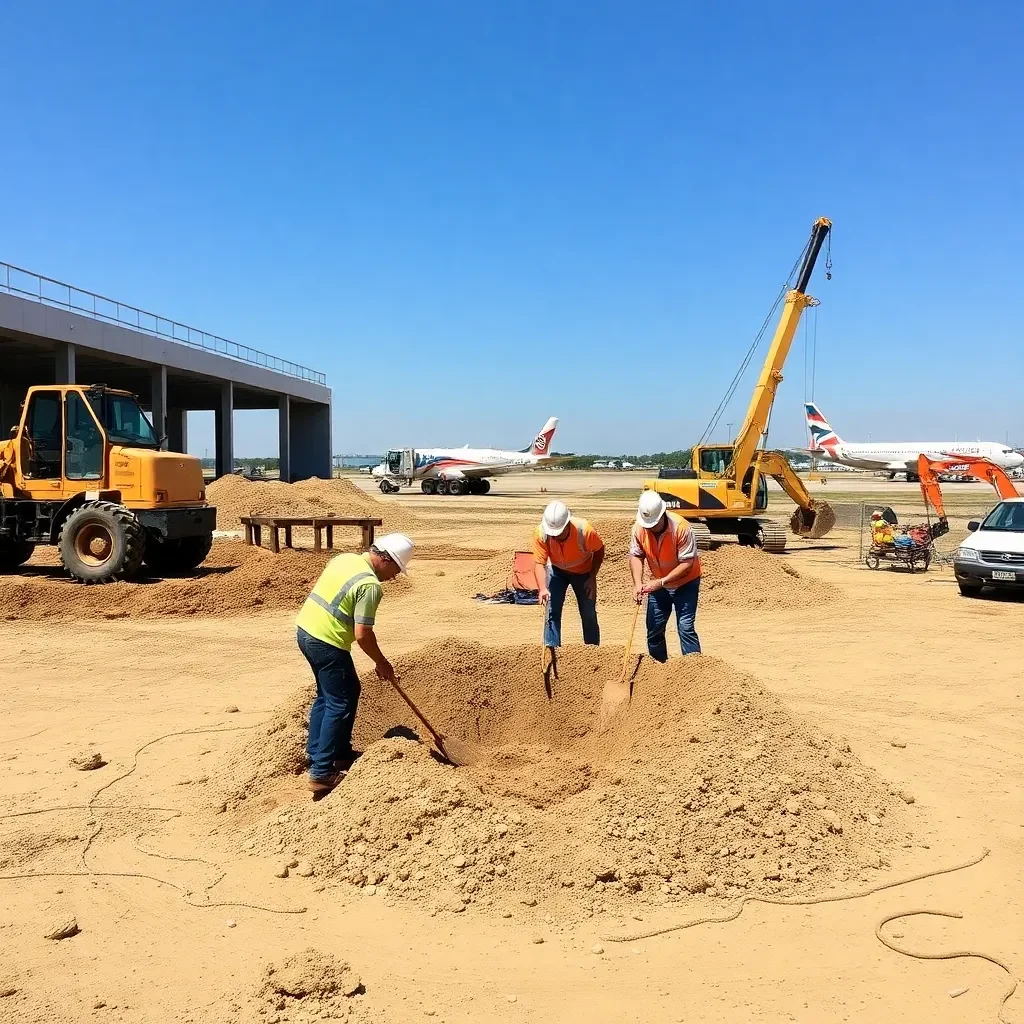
(257, 535)
(367, 537)
(317, 534)
(287, 536)
(248, 534)
(275, 541)
(330, 537)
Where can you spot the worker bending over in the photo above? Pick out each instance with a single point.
(567, 552)
(665, 542)
(341, 609)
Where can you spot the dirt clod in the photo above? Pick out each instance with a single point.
(63, 926)
(88, 762)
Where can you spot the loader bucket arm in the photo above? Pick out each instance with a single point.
(927, 473)
(812, 517)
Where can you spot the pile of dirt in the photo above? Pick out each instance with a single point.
(235, 497)
(311, 984)
(234, 580)
(705, 784)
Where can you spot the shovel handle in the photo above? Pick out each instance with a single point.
(416, 711)
(629, 642)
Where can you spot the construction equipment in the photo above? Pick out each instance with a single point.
(617, 691)
(84, 471)
(726, 487)
(929, 470)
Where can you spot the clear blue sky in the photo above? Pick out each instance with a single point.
(473, 215)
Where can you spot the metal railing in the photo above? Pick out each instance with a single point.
(18, 281)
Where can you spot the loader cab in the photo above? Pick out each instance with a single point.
(712, 461)
(64, 433)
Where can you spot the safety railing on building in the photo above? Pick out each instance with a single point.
(28, 285)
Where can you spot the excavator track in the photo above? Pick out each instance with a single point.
(771, 535)
(703, 535)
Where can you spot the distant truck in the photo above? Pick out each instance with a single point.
(84, 471)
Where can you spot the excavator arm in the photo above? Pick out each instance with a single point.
(811, 518)
(928, 471)
(756, 421)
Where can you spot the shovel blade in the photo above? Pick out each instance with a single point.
(460, 752)
(615, 695)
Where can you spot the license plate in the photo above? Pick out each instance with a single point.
(1002, 574)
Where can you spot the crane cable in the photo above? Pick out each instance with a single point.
(731, 390)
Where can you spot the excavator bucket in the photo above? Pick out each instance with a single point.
(814, 521)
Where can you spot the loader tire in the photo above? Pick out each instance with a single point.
(101, 542)
(771, 536)
(14, 553)
(177, 557)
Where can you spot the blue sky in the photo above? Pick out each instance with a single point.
(474, 215)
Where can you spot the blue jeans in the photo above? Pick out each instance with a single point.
(559, 581)
(334, 711)
(659, 608)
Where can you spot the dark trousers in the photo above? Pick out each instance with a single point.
(559, 582)
(334, 711)
(660, 606)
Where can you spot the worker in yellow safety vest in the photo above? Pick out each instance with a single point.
(664, 542)
(342, 609)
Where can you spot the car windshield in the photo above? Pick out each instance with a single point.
(123, 420)
(1006, 517)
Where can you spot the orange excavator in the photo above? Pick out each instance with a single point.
(928, 471)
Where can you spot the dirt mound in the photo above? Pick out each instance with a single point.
(311, 984)
(453, 552)
(235, 579)
(235, 497)
(705, 784)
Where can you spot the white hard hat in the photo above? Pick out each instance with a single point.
(555, 519)
(650, 509)
(398, 548)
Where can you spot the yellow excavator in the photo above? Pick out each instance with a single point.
(725, 490)
(84, 471)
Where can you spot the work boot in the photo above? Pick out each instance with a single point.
(321, 787)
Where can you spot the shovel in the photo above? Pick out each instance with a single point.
(457, 752)
(616, 691)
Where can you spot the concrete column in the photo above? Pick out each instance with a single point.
(311, 440)
(64, 363)
(225, 429)
(284, 434)
(158, 401)
(10, 410)
(177, 430)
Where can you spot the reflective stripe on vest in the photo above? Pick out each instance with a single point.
(334, 607)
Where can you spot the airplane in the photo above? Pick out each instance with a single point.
(461, 470)
(896, 456)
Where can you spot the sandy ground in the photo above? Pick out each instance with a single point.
(899, 658)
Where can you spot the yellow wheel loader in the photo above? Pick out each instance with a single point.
(84, 471)
(725, 490)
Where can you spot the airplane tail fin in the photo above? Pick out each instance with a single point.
(542, 442)
(823, 437)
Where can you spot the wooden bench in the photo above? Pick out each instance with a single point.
(253, 527)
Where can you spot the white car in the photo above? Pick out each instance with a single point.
(992, 555)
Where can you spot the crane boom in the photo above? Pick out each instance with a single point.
(756, 422)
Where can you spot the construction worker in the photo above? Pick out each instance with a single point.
(665, 543)
(341, 609)
(567, 553)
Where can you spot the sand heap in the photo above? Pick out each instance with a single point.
(235, 579)
(235, 497)
(731, 575)
(705, 785)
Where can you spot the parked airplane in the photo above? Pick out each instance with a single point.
(896, 456)
(461, 470)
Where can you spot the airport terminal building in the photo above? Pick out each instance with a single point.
(54, 333)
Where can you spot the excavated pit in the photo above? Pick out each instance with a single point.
(706, 784)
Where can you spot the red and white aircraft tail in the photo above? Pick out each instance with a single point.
(542, 442)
